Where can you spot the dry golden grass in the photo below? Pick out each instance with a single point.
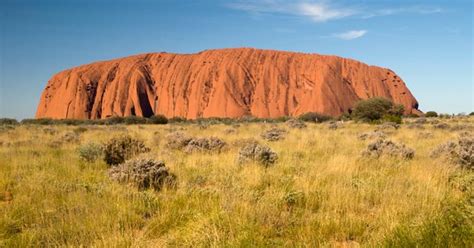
(321, 193)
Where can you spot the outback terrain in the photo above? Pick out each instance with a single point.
(211, 183)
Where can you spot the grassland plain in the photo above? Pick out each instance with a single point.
(322, 192)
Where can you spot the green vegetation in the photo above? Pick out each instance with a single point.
(320, 190)
(377, 109)
(8, 121)
(90, 152)
(119, 149)
(431, 114)
(314, 117)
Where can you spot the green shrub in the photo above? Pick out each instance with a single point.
(158, 119)
(431, 114)
(8, 121)
(397, 110)
(375, 109)
(282, 118)
(113, 120)
(90, 152)
(131, 120)
(177, 119)
(393, 118)
(122, 148)
(42, 121)
(471, 114)
(71, 122)
(345, 117)
(314, 117)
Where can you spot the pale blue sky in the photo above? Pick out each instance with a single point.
(428, 43)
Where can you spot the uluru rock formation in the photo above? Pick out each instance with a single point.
(219, 83)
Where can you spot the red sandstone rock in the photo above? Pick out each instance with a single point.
(219, 83)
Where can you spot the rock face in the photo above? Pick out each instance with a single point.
(219, 83)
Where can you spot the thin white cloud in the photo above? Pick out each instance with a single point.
(325, 10)
(321, 12)
(421, 10)
(350, 35)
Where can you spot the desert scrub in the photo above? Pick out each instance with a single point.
(90, 152)
(210, 144)
(70, 137)
(181, 141)
(8, 121)
(388, 126)
(143, 173)
(372, 135)
(256, 152)
(460, 152)
(274, 134)
(382, 147)
(295, 123)
(314, 117)
(177, 140)
(319, 194)
(122, 148)
(441, 125)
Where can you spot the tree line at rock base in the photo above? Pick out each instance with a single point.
(374, 110)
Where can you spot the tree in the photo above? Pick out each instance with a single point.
(377, 108)
(431, 114)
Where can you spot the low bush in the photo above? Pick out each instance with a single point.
(345, 117)
(431, 114)
(388, 126)
(386, 147)
(90, 152)
(314, 117)
(372, 135)
(177, 119)
(257, 153)
(43, 121)
(143, 173)
(392, 118)
(158, 119)
(122, 148)
(211, 144)
(133, 120)
(295, 123)
(8, 121)
(421, 120)
(459, 152)
(273, 134)
(177, 140)
(441, 126)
